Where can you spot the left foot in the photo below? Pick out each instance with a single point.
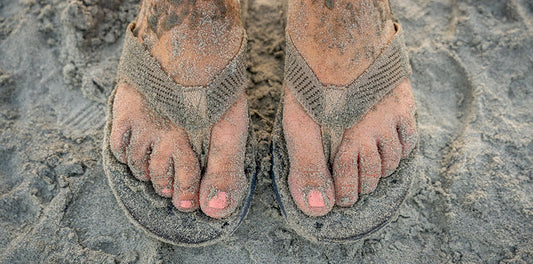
(339, 41)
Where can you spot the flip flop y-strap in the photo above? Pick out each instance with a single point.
(194, 108)
(336, 108)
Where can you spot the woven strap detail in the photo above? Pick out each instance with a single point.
(194, 108)
(337, 108)
(190, 107)
(353, 100)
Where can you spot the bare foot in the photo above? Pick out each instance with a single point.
(193, 41)
(339, 40)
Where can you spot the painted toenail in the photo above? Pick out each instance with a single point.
(219, 201)
(186, 204)
(315, 199)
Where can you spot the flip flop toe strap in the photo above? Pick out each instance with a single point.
(337, 108)
(195, 108)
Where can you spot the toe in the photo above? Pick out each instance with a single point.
(138, 153)
(223, 186)
(120, 139)
(309, 179)
(161, 168)
(123, 114)
(390, 151)
(369, 167)
(174, 168)
(186, 185)
(345, 174)
(407, 134)
(186, 179)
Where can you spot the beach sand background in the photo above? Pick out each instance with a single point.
(472, 200)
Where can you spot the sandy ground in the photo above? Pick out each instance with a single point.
(471, 202)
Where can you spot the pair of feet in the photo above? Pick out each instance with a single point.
(194, 40)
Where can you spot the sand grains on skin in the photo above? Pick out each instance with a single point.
(193, 43)
(339, 42)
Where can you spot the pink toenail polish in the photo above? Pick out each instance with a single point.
(186, 204)
(219, 201)
(315, 199)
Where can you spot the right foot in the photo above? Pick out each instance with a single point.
(193, 41)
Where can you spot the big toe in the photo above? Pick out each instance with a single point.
(223, 185)
(309, 180)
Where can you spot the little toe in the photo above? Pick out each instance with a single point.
(407, 134)
(390, 150)
(369, 167)
(120, 139)
(126, 116)
(346, 175)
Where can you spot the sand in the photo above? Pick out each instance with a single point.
(471, 201)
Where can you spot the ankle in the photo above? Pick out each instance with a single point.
(157, 18)
(165, 14)
(342, 39)
(193, 40)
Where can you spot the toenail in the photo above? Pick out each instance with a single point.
(345, 200)
(186, 204)
(366, 188)
(315, 199)
(166, 191)
(218, 201)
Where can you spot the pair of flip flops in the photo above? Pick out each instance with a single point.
(160, 219)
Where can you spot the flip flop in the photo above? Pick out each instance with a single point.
(143, 207)
(336, 108)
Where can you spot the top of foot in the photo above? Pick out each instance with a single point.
(193, 41)
(340, 41)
